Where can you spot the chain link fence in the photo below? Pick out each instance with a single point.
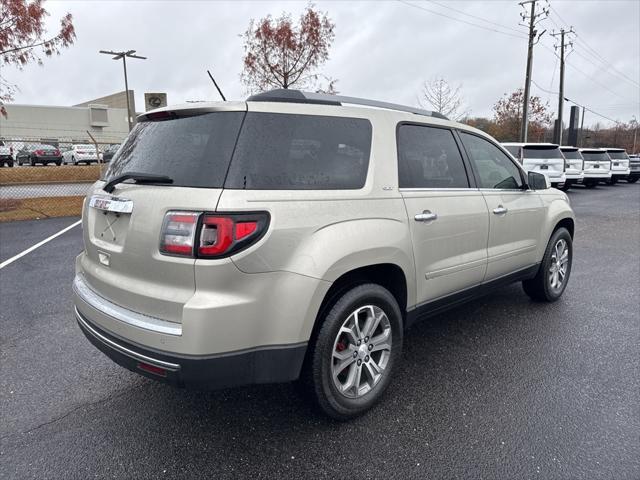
(42, 178)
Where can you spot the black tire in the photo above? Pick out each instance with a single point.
(565, 186)
(612, 181)
(590, 185)
(10, 164)
(33, 162)
(632, 179)
(58, 163)
(539, 288)
(317, 373)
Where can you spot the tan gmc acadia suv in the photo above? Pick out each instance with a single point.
(297, 235)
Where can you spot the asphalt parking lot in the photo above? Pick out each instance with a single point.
(501, 388)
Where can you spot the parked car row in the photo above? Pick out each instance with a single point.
(565, 166)
(44, 154)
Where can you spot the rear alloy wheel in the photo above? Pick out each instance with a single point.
(553, 275)
(351, 360)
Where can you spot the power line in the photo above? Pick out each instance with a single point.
(550, 92)
(593, 52)
(583, 73)
(477, 17)
(604, 68)
(460, 20)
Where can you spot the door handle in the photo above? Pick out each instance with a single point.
(500, 210)
(426, 216)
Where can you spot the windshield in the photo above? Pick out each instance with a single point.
(194, 151)
(571, 154)
(618, 155)
(595, 156)
(541, 152)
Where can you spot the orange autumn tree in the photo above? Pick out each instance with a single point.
(507, 116)
(281, 54)
(24, 39)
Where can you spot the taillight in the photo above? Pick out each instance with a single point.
(178, 233)
(207, 235)
(39, 152)
(57, 153)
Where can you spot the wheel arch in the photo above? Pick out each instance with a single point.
(388, 275)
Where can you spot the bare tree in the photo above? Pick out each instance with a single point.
(441, 97)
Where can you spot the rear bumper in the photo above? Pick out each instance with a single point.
(590, 175)
(620, 173)
(574, 176)
(47, 158)
(264, 365)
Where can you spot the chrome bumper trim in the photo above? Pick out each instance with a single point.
(174, 367)
(91, 298)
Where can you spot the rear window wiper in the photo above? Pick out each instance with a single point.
(138, 178)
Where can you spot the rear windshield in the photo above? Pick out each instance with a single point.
(300, 152)
(571, 154)
(595, 156)
(273, 151)
(513, 150)
(541, 152)
(84, 147)
(618, 155)
(193, 151)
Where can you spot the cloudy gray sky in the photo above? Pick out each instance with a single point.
(382, 50)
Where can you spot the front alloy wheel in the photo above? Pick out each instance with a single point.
(559, 265)
(553, 275)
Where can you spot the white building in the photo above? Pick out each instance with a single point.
(105, 118)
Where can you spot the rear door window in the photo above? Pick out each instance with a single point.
(300, 152)
(194, 151)
(429, 157)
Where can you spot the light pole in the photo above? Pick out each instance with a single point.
(123, 56)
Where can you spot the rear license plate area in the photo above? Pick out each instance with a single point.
(544, 167)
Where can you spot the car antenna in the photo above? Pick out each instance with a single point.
(217, 87)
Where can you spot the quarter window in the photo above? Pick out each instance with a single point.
(428, 157)
(495, 169)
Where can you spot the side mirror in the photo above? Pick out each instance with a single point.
(537, 181)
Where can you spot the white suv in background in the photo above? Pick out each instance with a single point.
(619, 164)
(574, 164)
(544, 158)
(597, 166)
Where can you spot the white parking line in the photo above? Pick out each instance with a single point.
(38, 245)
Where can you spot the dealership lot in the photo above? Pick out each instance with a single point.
(499, 388)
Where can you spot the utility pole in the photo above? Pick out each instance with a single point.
(557, 134)
(582, 129)
(123, 56)
(533, 39)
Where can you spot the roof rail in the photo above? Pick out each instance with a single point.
(298, 96)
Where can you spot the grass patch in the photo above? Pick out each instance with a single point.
(49, 174)
(42, 207)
